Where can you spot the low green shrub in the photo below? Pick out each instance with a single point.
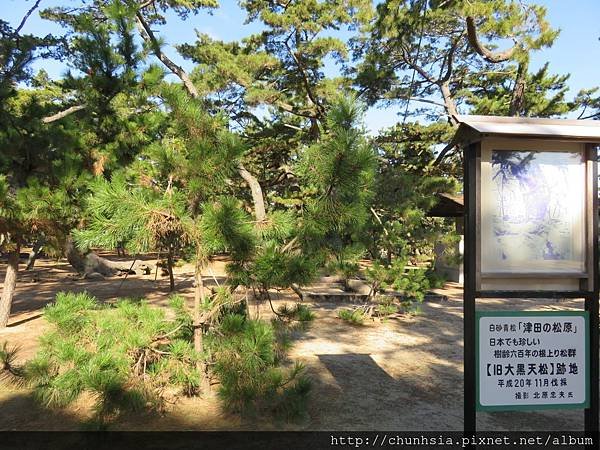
(303, 313)
(299, 312)
(125, 355)
(412, 282)
(346, 269)
(248, 358)
(386, 306)
(436, 280)
(355, 317)
(129, 356)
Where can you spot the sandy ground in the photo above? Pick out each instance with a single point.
(404, 373)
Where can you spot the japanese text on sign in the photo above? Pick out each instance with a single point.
(532, 359)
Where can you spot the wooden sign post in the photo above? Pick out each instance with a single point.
(531, 231)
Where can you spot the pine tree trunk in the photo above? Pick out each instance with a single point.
(199, 325)
(298, 291)
(198, 301)
(449, 103)
(518, 95)
(170, 269)
(91, 262)
(253, 306)
(257, 194)
(35, 252)
(74, 256)
(10, 282)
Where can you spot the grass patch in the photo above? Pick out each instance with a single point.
(354, 317)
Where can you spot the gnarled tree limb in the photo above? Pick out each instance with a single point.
(257, 194)
(477, 45)
(445, 151)
(148, 36)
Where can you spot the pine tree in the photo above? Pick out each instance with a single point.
(407, 189)
(428, 54)
(41, 173)
(339, 171)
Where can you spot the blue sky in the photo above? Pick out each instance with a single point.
(576, 51)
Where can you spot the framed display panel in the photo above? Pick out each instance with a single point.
(533, 226)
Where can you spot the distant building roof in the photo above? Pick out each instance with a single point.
(473, 128)
(448, 206)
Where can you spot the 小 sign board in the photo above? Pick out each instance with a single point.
(529, 360)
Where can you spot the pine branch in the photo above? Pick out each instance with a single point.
(481, 49)
(257, 194)
(305, 81)
(148, 36)
(444, 153)
(407, 59)
(591, 116)
(64, 113)
(24, 20)
(449, 59)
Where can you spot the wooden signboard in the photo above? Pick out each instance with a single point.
(531, 231)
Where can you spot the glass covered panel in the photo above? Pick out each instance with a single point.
(532, 214)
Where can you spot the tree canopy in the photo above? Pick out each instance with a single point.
(255, 147)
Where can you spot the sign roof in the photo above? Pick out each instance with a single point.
(473, 127)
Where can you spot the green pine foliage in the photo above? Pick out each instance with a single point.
(272, 268)
(341, 168)
(412, 282)
(128, 356)
(386, 306)
(247, 363)
(339, 172)
(544, 96)
(303, 313)
(407, 188)
(299, 312)
(142, 160)
(140, 219)
(9, 368)
(226, 227)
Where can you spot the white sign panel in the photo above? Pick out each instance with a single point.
(533, 211)
(532, 360)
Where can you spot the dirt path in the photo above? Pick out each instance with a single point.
(402, 374)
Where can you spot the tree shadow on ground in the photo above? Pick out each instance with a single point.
(20, 411)
(360, 395)
(15, 404)
(404, 374)
(36, 289)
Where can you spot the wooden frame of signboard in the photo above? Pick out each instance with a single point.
(528, 284)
